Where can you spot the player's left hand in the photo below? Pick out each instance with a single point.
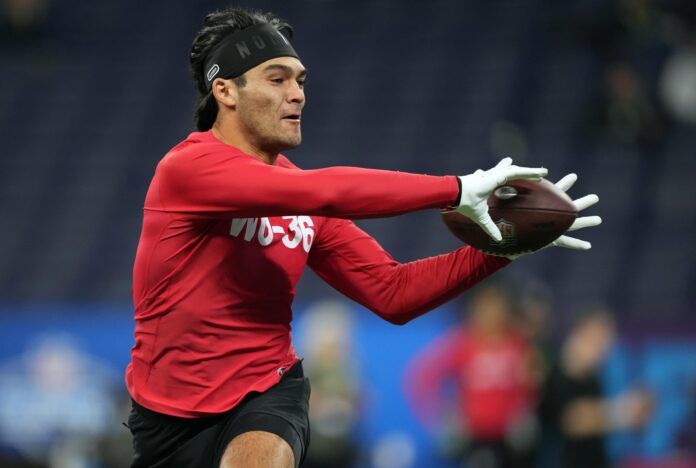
(476, 188)
(581, 203)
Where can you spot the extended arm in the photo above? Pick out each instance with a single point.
(225, 184)
(229, 185)
(584, 417)
(356, 265)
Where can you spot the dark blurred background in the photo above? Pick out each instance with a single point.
(94, 92)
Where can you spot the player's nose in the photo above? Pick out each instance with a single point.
(296, 94)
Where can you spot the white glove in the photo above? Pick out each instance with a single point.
(568, 242)
(478, 186)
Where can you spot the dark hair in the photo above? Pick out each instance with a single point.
(217, 26)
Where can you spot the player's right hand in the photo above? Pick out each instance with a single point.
(477, 187)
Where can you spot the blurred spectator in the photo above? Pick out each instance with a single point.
(489, 362)
(573, 406)
(622, 34)
(626, 113)
(534, 324)
(55, 402)
(333, 404)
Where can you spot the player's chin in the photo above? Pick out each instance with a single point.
(292, 140)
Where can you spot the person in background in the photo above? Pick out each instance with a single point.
(489, 362)
(573, 405)
(334, 400)
(626, 113)
(535, 322)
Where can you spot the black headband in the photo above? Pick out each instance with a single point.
(244, 50)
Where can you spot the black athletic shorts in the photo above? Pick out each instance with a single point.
(161, 441)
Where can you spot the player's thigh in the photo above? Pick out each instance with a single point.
(258, 449)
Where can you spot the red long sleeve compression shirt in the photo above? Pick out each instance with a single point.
(225, 239)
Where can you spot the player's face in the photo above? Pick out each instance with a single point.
(269, 106)
(593, 341)
(490, 311)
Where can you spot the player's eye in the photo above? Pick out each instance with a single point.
(277, 80)
(301, 83)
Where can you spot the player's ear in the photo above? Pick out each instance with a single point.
(225, 92)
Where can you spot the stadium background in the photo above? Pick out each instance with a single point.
(94, 92)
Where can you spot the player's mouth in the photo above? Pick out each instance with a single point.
(294, 118)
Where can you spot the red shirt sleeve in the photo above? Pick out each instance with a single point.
(356, 265)
(223, 182)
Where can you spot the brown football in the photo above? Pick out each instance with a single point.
(528, 214)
